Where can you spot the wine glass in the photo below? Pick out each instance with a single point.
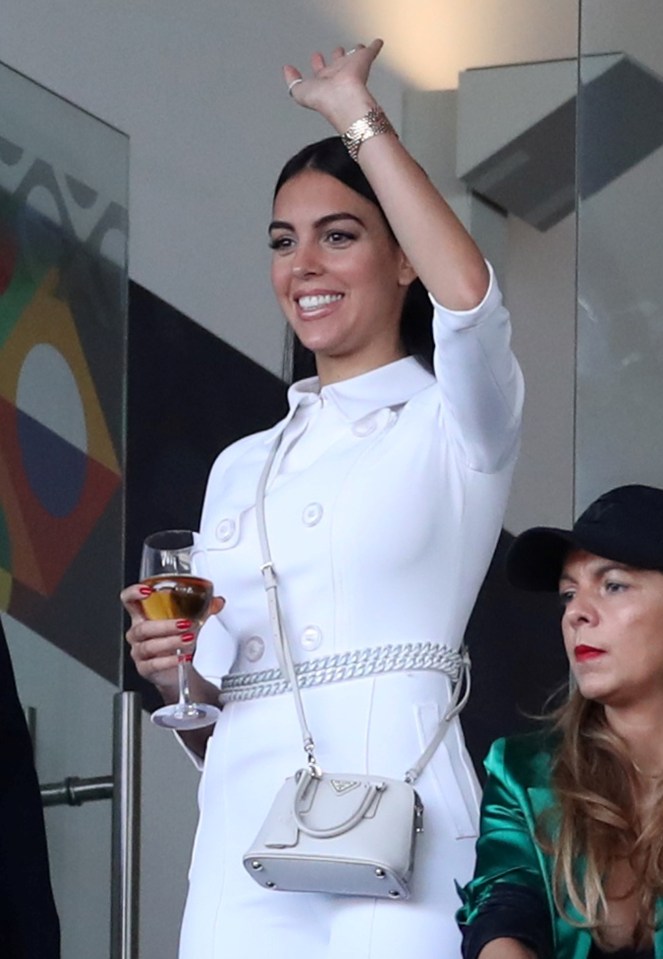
(167, 566)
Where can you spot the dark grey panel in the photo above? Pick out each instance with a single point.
(619, 123)
(189, 396)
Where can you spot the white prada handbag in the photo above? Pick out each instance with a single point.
(340, 833)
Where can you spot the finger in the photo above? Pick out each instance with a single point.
(154, 669)
(218, 602)
(157, 655)
(291, 73)
(161, 629)
(134, 593)
(132, 599)
(338, 53)
(374, 47)
(159, 648)
(317, 62)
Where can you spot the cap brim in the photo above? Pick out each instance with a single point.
(534, 560)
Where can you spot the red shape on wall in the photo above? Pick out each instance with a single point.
(42, 545)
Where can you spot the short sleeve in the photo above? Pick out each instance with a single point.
(480, 380)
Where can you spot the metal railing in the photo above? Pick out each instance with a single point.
(123, 788)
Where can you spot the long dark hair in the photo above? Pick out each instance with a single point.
(330, 156)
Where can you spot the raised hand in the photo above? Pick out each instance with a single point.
(337, 90)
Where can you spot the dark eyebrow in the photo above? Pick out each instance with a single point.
(323, 221)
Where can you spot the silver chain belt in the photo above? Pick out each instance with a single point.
(354, 664)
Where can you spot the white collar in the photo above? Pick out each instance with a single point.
(389, 385)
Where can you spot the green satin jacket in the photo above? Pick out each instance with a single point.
(517, 792)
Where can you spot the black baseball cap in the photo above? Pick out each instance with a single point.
(625, 525)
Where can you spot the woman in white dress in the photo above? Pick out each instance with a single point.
(383, 508)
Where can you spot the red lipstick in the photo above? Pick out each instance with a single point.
(582, 653)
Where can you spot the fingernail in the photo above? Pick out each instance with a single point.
(183, 623)
(186, 637)
(145, 590)
(187, 658)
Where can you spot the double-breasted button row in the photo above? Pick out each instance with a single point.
(311, 638)
(312, 514)
(225, 530)
(365, 426)
(253, 647)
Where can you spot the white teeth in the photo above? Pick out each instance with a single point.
(315, 302)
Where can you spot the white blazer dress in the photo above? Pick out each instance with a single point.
(383, 510)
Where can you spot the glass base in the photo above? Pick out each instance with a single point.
(191, 716)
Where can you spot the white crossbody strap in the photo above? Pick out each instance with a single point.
(461, 690)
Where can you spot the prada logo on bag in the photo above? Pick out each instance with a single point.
(341, 786)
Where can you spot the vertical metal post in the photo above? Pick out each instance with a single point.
(125, 854)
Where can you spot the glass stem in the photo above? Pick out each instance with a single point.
(183, 680)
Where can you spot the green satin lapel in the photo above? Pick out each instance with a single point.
(570, 943)
(540, 798)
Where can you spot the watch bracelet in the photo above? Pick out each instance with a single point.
(372, 124)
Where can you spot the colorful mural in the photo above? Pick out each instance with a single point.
(62, 384)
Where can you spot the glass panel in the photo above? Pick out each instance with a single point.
(63, 283)
(619, 427)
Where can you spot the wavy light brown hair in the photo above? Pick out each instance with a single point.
(598, 820)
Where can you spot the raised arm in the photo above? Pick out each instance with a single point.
(438, 246)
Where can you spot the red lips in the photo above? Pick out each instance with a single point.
(583, 653)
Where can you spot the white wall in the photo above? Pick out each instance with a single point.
(197, 87)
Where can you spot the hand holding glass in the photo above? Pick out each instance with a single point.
(177, 593)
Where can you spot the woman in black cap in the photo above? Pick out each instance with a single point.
(570, 855)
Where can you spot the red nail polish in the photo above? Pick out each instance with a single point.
(187, 637)
(145, 590)
(183, 624)
(187, 658)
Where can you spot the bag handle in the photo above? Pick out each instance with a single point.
(284, 654)
(306, 777)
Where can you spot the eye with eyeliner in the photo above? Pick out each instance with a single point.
(281, 243)
(339, 237)
(614, 586)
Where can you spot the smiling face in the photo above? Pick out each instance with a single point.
(338, 274)
(613, 629)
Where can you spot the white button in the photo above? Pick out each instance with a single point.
(364, 427)
(312, 514)
(254, 647)
(225, 530)
(311, 637)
